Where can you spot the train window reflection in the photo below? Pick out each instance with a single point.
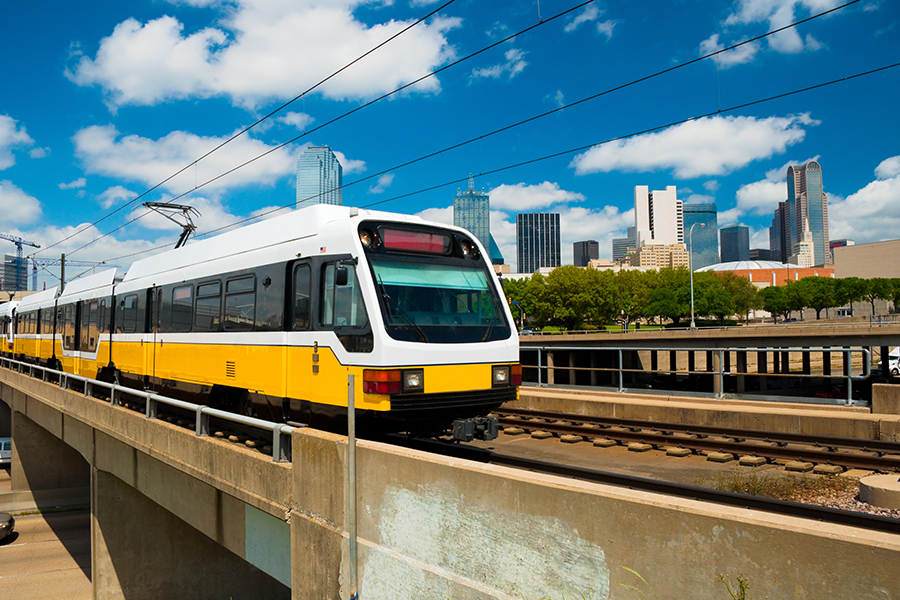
(240, 304)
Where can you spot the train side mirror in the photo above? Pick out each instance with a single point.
(340, 276)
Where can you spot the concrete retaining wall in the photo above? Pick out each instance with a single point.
(433, 527)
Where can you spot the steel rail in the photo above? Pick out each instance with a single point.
(781, 507)
(882, 446)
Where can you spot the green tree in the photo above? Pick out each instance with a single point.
(877, 289)
(775, 301)
(744, 294)
(817, 293)
(849, 290)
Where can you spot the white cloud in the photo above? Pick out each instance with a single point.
(522, 198)
(11, 136)
(256, 51)
(514, 65)
(383, 183)
(761, 197)
(711, 186)
(39, 152)
(699, 199)
(78, 183)
(606, 28)
(738, 56)
(349, 165)
(558, 98)
(114, 195)
(16, 206)
(103, 151)
(295, 119)
(213, 215)
(710, 146)
(438, 215)
(590, 13)
(871, 214)
(889, 167)
(732, 216)
(778, 14)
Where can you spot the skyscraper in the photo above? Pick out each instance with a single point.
(735, 243)
(704, 243)
(585, 252)
(472, 211)
(319, 177)
(620, 246)
(806, 200)
(780, 233)
(537, 241)
(658, 216)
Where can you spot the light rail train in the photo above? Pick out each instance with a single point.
(270, 319)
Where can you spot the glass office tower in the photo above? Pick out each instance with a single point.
(472, 211)
(319, 177)
(585, 252)
(704, 243)
(537, 241)
(735, 242)
(807, 200)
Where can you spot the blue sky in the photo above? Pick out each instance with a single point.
(102, 101)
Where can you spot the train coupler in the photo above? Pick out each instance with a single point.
(482, 428)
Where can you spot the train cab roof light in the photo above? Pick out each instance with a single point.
(369, 239)
(382, 382)
(469, 249)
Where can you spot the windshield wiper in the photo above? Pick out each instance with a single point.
(407, 320)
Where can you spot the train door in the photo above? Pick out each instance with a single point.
(154, 300)
(298, 368)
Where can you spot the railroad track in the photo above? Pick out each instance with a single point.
(758, 503)
(854, 453)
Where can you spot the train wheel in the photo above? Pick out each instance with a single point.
(245, 405)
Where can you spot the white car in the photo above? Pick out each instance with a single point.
(5, 451)
(893, 361)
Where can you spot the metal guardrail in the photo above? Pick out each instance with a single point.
(281, 433)
(719, 371)
(880, 320)
(874, 321)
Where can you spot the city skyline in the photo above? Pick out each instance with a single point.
(109, 101)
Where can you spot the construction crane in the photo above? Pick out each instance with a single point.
(38, 262)
(21, 266)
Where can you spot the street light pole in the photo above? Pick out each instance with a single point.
(691, 267)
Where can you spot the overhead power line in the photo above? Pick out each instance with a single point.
(563, 152)
(258, 121)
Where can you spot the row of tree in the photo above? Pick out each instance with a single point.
(574, 298)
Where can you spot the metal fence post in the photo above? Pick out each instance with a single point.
(540, 366)
(202, 423)
(721, 375)
(621, 376)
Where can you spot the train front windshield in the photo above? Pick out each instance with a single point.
(424, 301)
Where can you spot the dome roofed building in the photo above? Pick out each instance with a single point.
(763, 273)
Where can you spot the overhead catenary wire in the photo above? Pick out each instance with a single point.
(258, 121)
(495, 132)
(565, 152)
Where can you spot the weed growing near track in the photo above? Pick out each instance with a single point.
(804, 488)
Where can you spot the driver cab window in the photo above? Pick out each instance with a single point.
(341, 305)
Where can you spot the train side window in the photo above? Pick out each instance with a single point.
(68, 321)
(341, 305)
(129, 313)
(301, 297)
(240, 303)
(182, 308)
(208, 315)
(93, 322)
(48, 321)
(104, 318)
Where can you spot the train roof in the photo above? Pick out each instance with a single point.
(7, 307)
(84, 286)
(304, 223)
(38, 299)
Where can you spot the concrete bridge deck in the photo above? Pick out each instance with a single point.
(177, 515)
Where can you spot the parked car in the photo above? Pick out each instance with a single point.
(5, 451)
(7, 524)
(894, 361)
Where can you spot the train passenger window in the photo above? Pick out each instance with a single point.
(208, 315)
(182, 308)
(68, 322)
(341, 305)
(240, 304)
(301, 297)
(129, 313)
(105, 316)
(90, 325)
(47, 316)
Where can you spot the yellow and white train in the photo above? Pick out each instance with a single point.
(269, 320)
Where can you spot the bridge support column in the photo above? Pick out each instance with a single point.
(5, 419)
(826, 364)
(654, 361)
(593, 368)
(885, 362)
(141, 551)
(785, 369)
(716, 367)
(762, 367)
(573, 368)
(550, 362)
(673, 361)
(741, 357)
(42, 463)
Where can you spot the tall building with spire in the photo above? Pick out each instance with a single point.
(319, 177)
(807, 202)
(472, 211)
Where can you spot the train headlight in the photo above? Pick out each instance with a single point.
(500, 376)
(413, 380)
(368, 238)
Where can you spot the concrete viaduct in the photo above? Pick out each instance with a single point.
(175, 515)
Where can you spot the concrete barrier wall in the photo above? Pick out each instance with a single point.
(433, 527)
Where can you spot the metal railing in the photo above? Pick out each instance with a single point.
(281, 432)
(874, 321)
(719, 369)
(880, 320)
